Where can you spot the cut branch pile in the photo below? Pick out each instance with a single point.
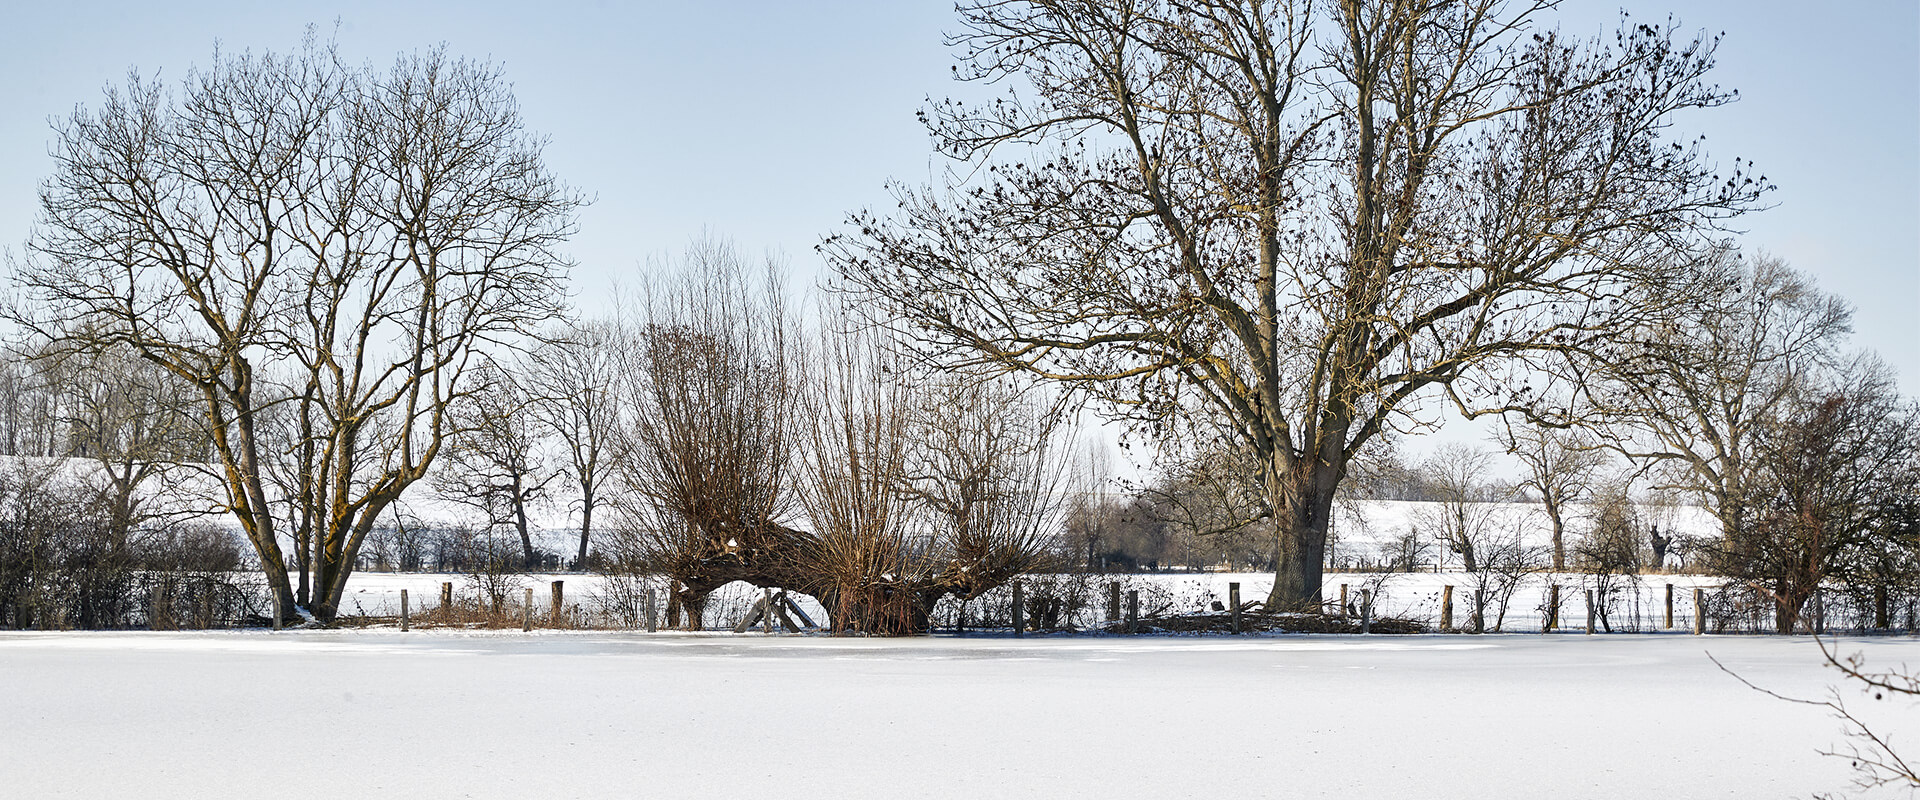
(1253, 621)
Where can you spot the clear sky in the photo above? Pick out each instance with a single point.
(768, 121)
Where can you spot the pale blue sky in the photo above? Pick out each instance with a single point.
(768, 122)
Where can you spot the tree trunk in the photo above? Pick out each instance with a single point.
(520, 524)
(886, 611)
(695, 607)
(1301, 533)
(1559, 536)
(586, 528)
(1788, 599)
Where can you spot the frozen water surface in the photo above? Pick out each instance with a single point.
(341, 714)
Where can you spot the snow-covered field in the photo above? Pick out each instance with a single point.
(365, 714)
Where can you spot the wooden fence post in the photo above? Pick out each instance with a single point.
(1019, 609)
(1669, 606)
(1553, 609)
(1819, 611)
(1343, 601)
(653, 610)
(446, 601)
(155, 619)
(526, 612)
(1590, 611)
(1133, 611)
(1479, 611)
(1233, 602)
(276, 610)
(403, 610)
(1366, 611)
(557, 610)
(766, 618)
(1446, 609)
(1113, 601)
(1699, 611)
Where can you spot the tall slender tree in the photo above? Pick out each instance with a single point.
(1556, 463)
(575, 375)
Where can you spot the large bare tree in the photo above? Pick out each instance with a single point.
(287, 234)
(1691, 394)
(1295, 220)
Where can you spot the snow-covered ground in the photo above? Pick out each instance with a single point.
(333, 714)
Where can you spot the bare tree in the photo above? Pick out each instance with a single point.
(919, 486)
(1692, 393)
(1610, 552)
(707, 440)
(1559, 464)
(497, 462)
(1296, 220)
(1836, 476)
(348, 243)
(1203, 493)
(29, 404)
(575, 377)
(876, 564)
(990, 471)
(1462, 514)
(132, 420)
